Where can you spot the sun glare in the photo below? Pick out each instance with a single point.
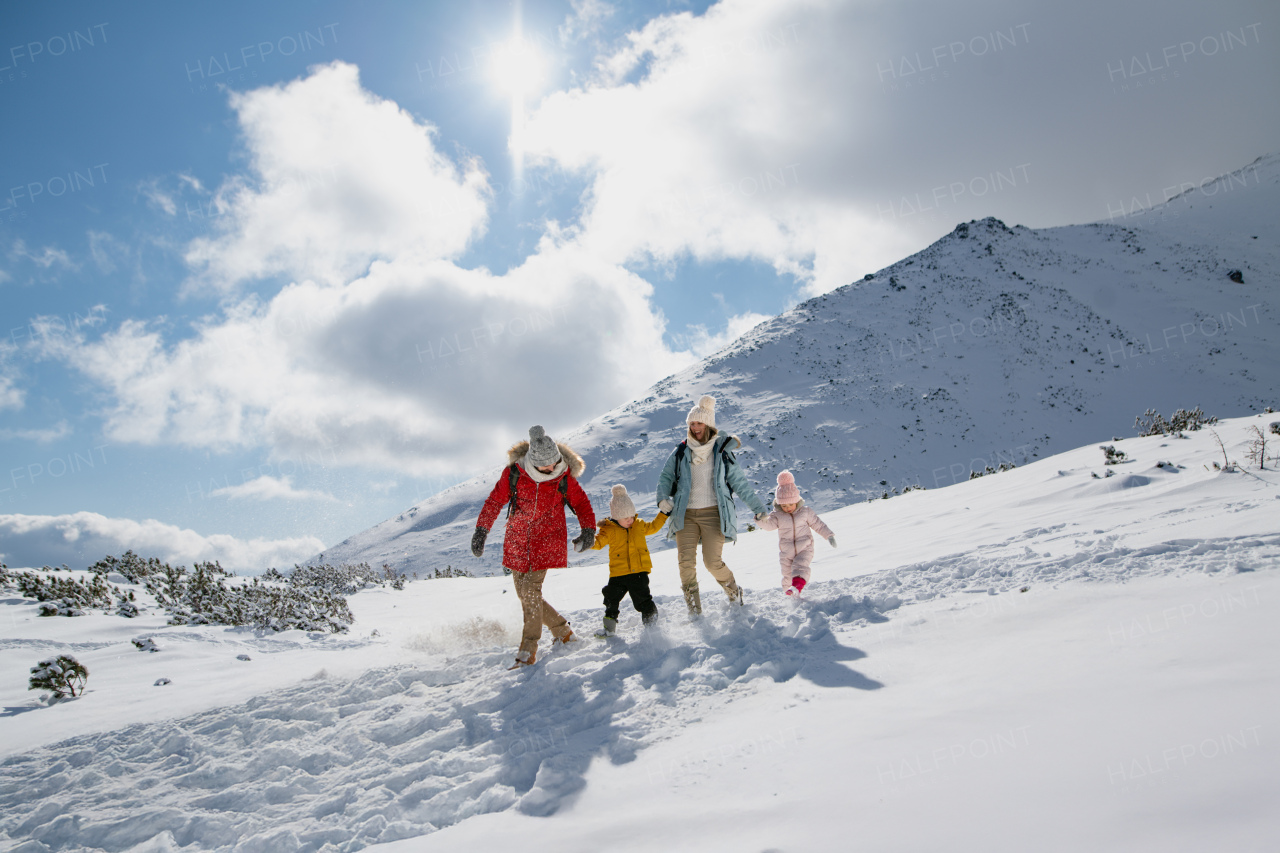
(517, 67)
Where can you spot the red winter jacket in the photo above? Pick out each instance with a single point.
(536, 536)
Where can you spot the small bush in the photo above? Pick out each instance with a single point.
(1113, 456)
(72, 591)
(132, 567)
(63, 675)
(126, 606)
(203, 599)
(451, 572)
(1257, 450)
(60, 607)
(1152, 422)
(310, 599)
(973, 475)
(343, 580)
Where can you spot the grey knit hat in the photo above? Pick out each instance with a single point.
(542, 450)
(620, 505)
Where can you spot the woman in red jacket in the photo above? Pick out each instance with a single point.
(540, 479)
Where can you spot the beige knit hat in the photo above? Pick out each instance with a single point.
(620, 505)
(704, 412)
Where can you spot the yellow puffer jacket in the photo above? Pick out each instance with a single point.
(628, 552)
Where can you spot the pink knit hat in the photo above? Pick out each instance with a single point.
(787, 492)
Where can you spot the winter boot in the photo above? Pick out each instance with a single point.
(650, 619)
(735, 594)
(610, 626)
(693, 598)
(567, 638)
(524, 659)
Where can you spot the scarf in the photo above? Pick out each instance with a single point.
(701, 451)
(539, 477)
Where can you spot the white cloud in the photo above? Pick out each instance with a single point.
(587, 19)
(44, 258)
(415, 365)
(61, 429)
(158, 197)
(419, 366)
(82, 538)
(107, 251)
(339, 178)
(754, 131)
(11, 396)
(268, 488)
(702, 342)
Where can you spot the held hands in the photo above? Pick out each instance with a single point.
(477, 541)
(832, 540)
(761, 516)
(584, 540)
(665, 505)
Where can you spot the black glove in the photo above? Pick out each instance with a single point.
(585, 539)
(477, 541)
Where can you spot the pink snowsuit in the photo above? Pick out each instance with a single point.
(795, 539)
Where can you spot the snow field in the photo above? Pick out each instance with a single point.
(1086, 716)
(915, 699)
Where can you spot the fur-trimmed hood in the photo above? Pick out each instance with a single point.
(779, 508)
(572, 460)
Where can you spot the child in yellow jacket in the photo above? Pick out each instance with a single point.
(629, 562)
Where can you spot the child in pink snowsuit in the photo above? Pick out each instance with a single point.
(795, 524)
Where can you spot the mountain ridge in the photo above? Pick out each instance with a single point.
(992, 345)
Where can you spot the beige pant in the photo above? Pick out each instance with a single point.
(537, 612)
(703, 525)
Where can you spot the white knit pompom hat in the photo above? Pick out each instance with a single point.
(787, 492)
(620, 505)
(704, 412)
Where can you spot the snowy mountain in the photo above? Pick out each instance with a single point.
(993, 345)
(1036, 660)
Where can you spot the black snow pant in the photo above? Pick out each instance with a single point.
(637, 586)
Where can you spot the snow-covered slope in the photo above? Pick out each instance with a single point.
(1034, 660)
(994, 345)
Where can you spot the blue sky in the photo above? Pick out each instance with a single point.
(271, 273)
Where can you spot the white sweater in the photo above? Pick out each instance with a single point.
(702, 493)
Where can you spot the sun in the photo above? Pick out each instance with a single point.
(517, 67)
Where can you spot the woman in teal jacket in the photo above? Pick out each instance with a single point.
(696, 487)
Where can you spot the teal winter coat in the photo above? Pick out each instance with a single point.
(727, 481)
